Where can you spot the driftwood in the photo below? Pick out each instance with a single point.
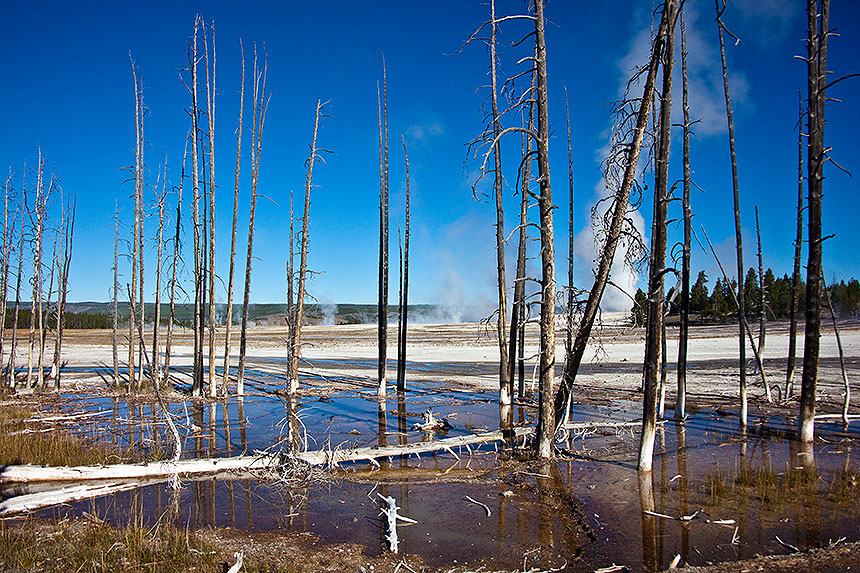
(33, 501)
(190, 468)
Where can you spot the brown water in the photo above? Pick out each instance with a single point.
(587, 511)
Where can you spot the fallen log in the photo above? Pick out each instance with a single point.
(264, 462)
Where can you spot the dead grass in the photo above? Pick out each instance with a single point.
(23, 442)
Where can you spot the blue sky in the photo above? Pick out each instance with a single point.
(67, 87)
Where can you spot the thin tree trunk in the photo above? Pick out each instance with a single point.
(135, 253)
(404, 290)
(229, 315)
(259, 117)
(817, 65)
(798, 248)
(210, 114)
(66, 235)
(291, 303)
(684, 327)
(762, 323)
(13, 343)
(156, 327)
(7, 251)
(654, 332)
(37, 267)
(296, 332)
(382, 309)
(504, 375)
(197, 376)
(115, 325)
(613, 236)
(546, 417)
(738, 236)
(177, 245)
(570, 253)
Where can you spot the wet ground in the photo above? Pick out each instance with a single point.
(747, 495)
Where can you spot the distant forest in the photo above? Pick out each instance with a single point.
(100, 314)
(716, 305)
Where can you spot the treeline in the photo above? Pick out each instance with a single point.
(716, 304)
(70, 319)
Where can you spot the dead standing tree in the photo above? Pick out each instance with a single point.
(382, 306)
(136, 252)
(160, 198)
(818, 12)
(261, 104)
(798, 248)
(64, 261)
(627, 145)
(654, 332)
(684, 326)
(210, 116)
(296, 330)
(8, 234)
(738, 231)
(404, 289)
(229, 314)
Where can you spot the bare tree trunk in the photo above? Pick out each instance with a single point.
(404, 290)
(762, 323)
(177, 245)
(546, 417)
(7, 251)
(570, 253)
(210, 114)
(36, 226)
(197, 376)
(13, 343)
(738, 236)
(684, 327)
(296, 332)
(798, 248)
(259, 118)
(815, 157)
(382, 309)
(504, 380)
(115, 326)
(135, 253)
(622, 197)
(67, 231)
(847, 399)
(156, 327)
(229, 316)
(654, 331)
(291, 302)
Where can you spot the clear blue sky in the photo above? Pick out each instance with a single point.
(67, 87)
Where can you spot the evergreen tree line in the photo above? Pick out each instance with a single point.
(70, 319)
(717, 305)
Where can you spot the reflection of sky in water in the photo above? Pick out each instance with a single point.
(586, 512)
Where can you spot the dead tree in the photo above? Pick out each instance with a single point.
(738, 232)
(18, 276)
(66, 234)
(762, 321)
(654, 332)
(382, 308)
(229, 317)
(210, 115)
(136, 253)
(624, 155)
(36, 214)
(160, 198)
(177, 252)
(504, 380)
(291, 301)
(296, 332)
(684, 327)
(193, 58)
(798, 248)
(546, 415)
(816, 154)
(570, 253)
(404, 289)
(7, 252)
(115, 291)
(259, 118)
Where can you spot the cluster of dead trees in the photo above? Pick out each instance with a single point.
(642, 122)
(149, 354)
(36, 251)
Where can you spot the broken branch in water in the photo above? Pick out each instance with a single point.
(390, 513)
(486, 508)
